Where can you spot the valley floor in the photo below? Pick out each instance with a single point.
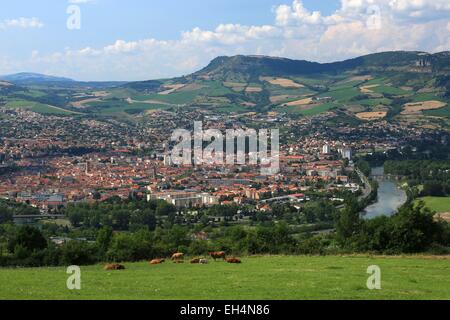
(258, 278)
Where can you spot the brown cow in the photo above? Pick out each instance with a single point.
(218, 255)
(157, 261)
(177, 256)
(114, 266)
(234, 260)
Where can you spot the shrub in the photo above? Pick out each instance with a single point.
(78, 253)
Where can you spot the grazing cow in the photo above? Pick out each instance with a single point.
(157, 261)
(203, 261)
(218, 255)
(177, 256)
(234, 260)
(114, 266)
(195, 261)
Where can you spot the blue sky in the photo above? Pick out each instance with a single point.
(104, 21)
(141, 39)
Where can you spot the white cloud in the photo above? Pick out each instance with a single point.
(296, 33)
(297, 13)
(420, 9)
(80, 1)
(22, 23)
(231, 34)
(415, 5)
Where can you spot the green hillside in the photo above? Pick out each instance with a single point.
(383, 81)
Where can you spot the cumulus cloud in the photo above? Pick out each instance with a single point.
(297, 13)
(231, 34)
(358, 27)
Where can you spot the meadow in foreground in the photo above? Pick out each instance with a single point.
(260, 278)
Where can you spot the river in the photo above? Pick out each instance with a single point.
(390, 197)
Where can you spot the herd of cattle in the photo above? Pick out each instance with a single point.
(179, 258)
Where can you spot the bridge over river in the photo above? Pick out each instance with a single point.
(34, 218)
(384, 177)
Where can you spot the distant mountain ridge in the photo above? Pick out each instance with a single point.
(250, 68)
(29, 77)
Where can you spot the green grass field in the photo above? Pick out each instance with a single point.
(442, 112)
(390, 90)
(38, 107)
(260, 278)
(374, 102)
(344, 94)
(318, 109)
(438, 204)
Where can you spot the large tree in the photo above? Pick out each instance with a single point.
(28, 238)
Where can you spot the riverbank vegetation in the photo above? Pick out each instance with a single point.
(428, 177)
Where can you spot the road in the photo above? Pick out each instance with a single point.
(368, 187)
(40, 216)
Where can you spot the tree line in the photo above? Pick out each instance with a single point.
(9, 209)
(433, 177)
(412, 230)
